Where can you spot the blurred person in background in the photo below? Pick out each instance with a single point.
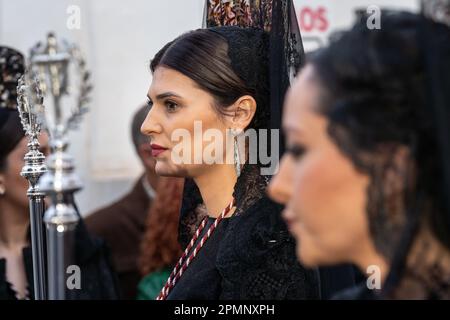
(16, 268)
(16, 265)
(122, 223)
(160, 249)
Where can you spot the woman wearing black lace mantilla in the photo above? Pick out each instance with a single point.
(229, 79)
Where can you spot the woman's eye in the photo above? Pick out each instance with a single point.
(149, 103)
(296, 151)
(171, 106)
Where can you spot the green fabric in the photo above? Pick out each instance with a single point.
(150, 286)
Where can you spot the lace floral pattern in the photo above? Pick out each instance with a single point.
(427, 271)
(261, 14)
(244, 13)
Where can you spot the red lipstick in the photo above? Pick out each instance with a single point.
(157, 149)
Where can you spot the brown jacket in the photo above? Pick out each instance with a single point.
(122, 225)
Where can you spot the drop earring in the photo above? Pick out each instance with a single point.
(237, 157)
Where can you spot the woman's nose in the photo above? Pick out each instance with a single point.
(280, 187)
(150, 125)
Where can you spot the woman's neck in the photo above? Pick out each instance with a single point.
(152, 179)
(427, 271)
(14, 225)
(216, 186)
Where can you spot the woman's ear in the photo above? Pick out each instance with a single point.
(243, 111)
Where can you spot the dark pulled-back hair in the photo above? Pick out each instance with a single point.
(376, 99)
(203, 56)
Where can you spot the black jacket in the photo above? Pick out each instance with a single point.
(122, 225)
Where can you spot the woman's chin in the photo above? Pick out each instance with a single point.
(165, 169)
(311, 257)
(305, 258)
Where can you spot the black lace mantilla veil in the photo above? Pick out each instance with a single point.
(434, 41)
(285, 55)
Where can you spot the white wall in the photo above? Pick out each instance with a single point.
(118, 38)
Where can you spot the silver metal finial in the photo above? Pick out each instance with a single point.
(65, 84)
(31, 111)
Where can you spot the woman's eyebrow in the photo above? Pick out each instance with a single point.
(165, 95)
(292, 128)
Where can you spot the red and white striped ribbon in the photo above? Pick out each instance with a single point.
(181, 267)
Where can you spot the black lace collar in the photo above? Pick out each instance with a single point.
(249, 188)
